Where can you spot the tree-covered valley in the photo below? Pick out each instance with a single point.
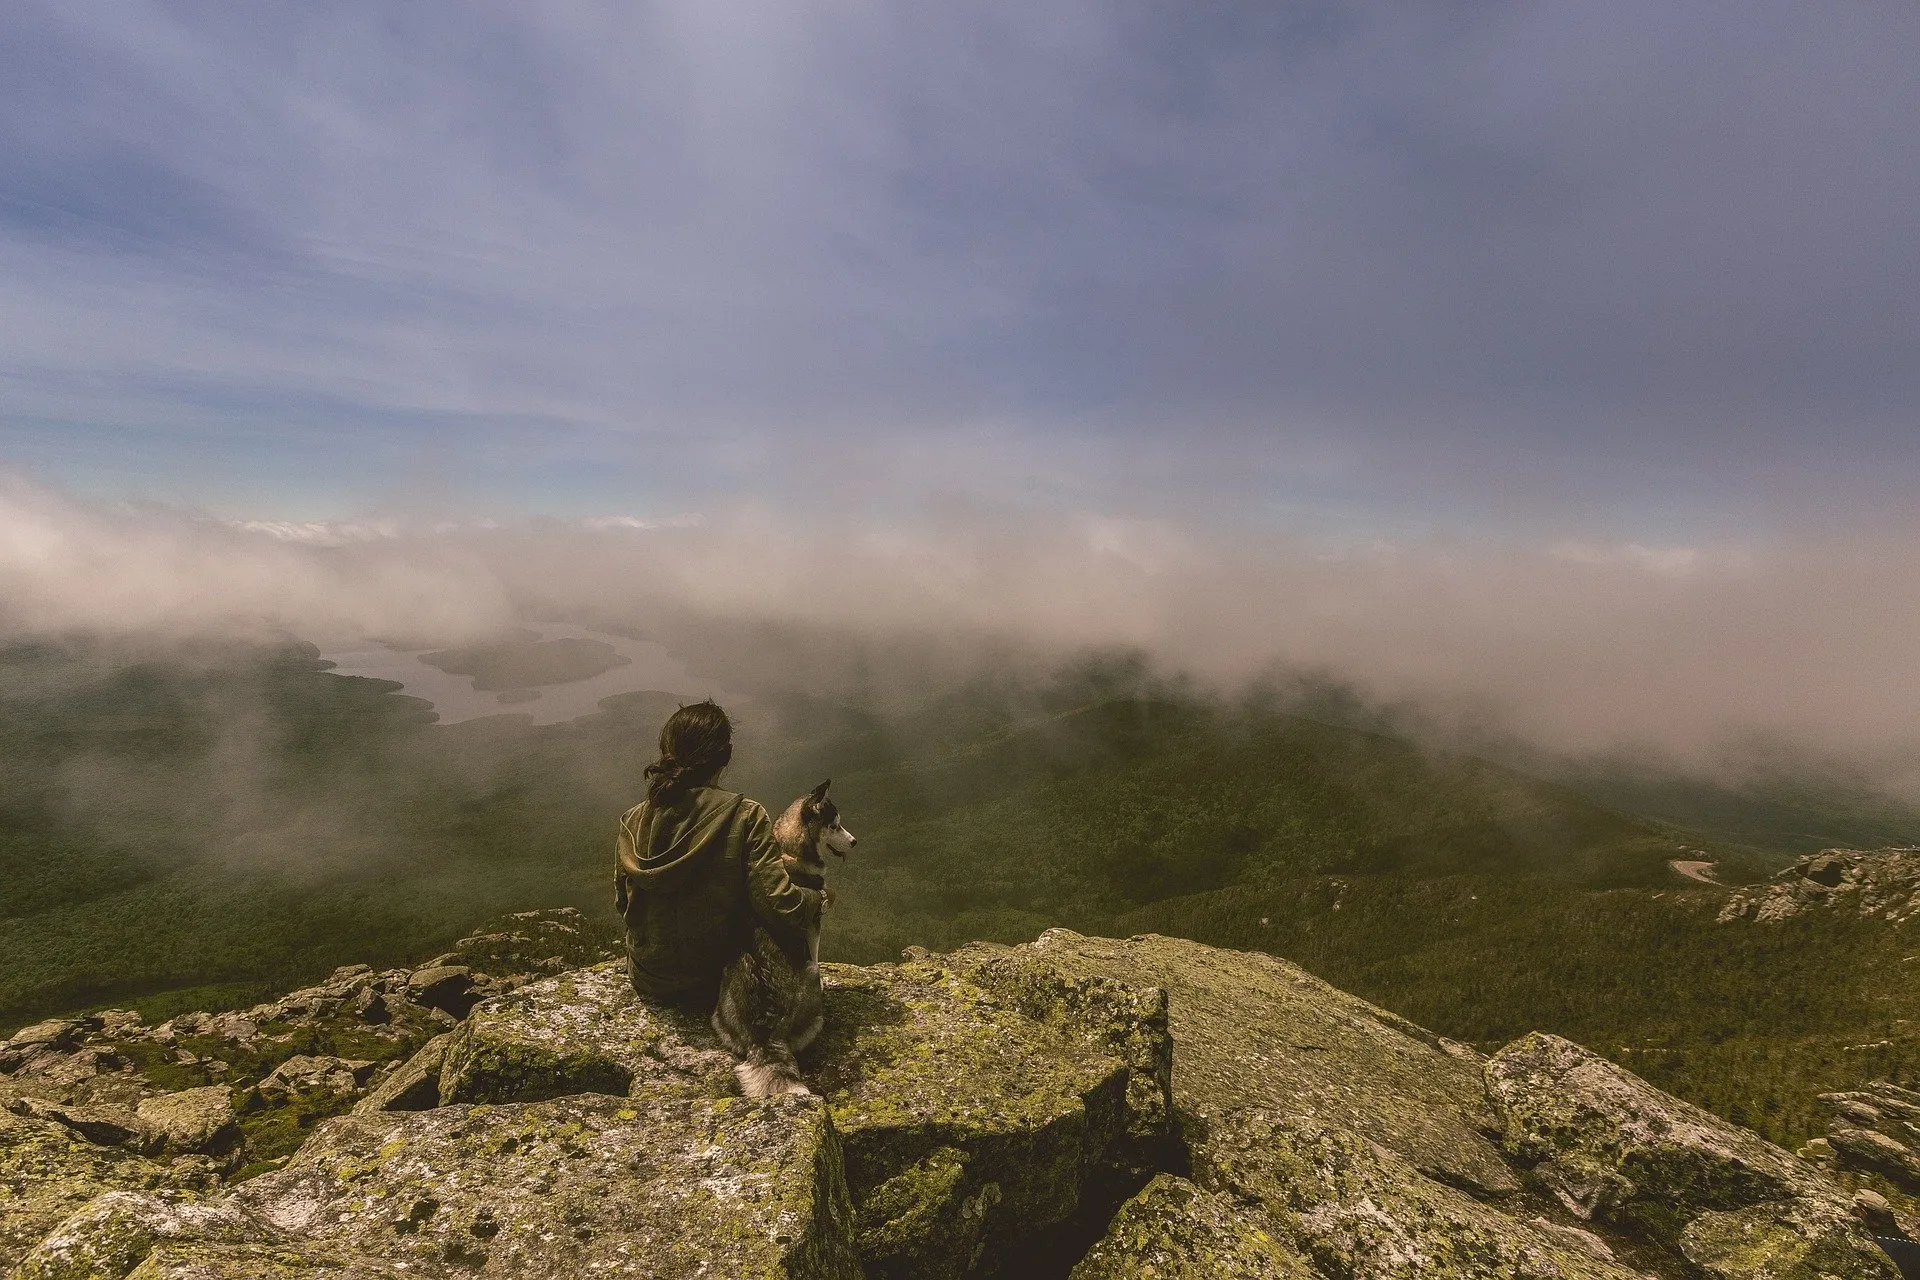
(202, 827)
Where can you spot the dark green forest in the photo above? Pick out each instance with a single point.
(206, 826)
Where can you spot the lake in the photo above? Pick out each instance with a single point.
(649, 665)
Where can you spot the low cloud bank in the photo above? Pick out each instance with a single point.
(1574, 646)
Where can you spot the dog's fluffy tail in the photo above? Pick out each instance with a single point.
(769, 1071)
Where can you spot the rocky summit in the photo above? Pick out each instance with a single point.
(1088, 1107)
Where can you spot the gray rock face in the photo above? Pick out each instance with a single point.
(1256, 1031)
(1883, 883)
(1614, 1149)
(974, 1112)
(1360, 1211)
(586, 1185)
(581, 1032)
(1876, 1131)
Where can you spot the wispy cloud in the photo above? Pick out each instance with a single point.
(1521, 265)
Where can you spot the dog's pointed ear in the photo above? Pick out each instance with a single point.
(819, 793)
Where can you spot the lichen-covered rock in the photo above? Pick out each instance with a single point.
(1875, 1130)
(313, 1075)
(190, 1120)
(1363, 1213)
(110, 1235)
(584, 1185)
(581, 1032)
(209, 1260)
(47, 1171)
(106, 1126)
(1611, 1145)
(1871, 1151)
(1126, 1022)
(926, 1222)
(1174, 1230)
(915, 1058)
(448, 987)
(1255, 1030)
(1615, 1149)
(1803, 1239)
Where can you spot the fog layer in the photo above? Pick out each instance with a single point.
(1573, 646)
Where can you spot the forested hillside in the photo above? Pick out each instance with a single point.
(205, 828)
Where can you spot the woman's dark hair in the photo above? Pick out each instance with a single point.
(696, 743)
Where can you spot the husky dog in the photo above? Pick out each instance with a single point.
(771, 1006)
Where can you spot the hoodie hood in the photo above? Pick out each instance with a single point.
(664, 845)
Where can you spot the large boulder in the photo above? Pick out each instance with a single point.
(1174, 1230)
(574, 1186)
(1361, 1212)
(1256, 1031)
(412, 1086)
(530, 943)
(1614, 1149)
(1123, 1020)
(915, 1059)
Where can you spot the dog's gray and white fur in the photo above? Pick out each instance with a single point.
(771, 1006)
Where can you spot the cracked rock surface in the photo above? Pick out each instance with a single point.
(1086, 1107)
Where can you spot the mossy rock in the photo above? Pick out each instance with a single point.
(1612, 1147)
(1361, 1212)
(916, 1058)
(1174, 1230)
(1253, 1030)
(575, 1186)
(203, 1260)
(47, 1171)
(926, 1222)
(581, 1032)
(113, 1233)
(1791, 1240)
(1128, 1022)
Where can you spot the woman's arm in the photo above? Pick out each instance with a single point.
(786, 909)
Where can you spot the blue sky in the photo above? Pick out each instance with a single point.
(1625, 270)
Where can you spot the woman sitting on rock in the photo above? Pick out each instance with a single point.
(697, 867)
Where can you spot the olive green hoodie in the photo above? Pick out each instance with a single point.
(692, 877)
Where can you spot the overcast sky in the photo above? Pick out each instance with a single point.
(1620, 270)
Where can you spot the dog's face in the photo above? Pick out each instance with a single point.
(824, 828)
